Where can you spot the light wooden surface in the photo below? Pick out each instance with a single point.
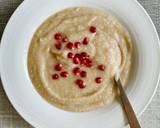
(9, 117)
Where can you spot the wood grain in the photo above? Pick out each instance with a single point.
(131, 116)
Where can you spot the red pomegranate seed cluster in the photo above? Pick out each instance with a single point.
(78, 72)
(59, 67)
(80, 83)
(81, 59)
(64, 74)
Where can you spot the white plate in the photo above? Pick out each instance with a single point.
(25, 99)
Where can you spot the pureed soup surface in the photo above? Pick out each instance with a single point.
(74, 56)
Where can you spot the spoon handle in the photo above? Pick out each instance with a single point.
(132, 119)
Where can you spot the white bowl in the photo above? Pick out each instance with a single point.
(13, 57)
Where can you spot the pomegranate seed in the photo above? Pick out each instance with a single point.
(76, 71)
(93, 29)
(87, 56)
(84, 54)
(77, 45)
(98, 80)
(55, 76)
(77, 55)
(65, 39)
(58, 67)
(101, 67)
(64, 74)
(58, 36)
(76, 60)
(89, 60)
(83, 74)
(85, 41)
(81, 58)
(58, 45)
(83, 62)
(70, 46)
(80, 83)
(70, 55)
(89, 65)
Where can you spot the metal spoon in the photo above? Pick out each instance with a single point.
(131, 116)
